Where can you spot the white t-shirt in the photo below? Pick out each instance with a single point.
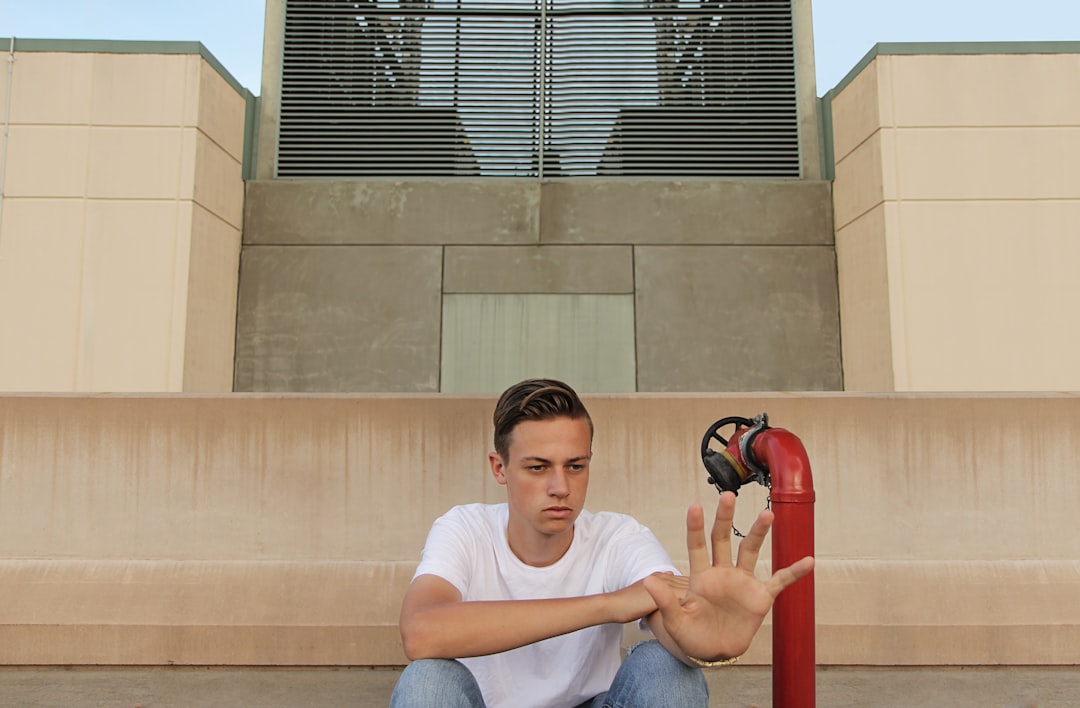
(467, 547)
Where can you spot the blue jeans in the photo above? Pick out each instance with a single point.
(649, 677)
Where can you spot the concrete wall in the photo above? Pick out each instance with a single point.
(283, 530)
(122, 210)
(957, 195)
(396, 286)
(468, 286)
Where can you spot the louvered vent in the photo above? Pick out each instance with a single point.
(538, 88)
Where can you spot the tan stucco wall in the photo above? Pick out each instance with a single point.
(268, 530)
(956, 196)
(120, 239)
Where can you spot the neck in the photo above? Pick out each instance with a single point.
(538, 550)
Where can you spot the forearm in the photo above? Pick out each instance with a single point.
(460, 629)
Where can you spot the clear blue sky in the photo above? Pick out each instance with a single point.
(844, 30)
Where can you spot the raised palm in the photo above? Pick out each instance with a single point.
(726, 604)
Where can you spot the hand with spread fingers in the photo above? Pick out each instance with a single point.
(726, 603)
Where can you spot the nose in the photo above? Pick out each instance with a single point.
(558, 486)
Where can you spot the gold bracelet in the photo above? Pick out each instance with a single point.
(713, 664)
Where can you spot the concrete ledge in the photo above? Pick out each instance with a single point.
(169, 645)
(918, 613)
(200, 612)
(948, 612)
(528, 212)
(345, 613)
(283, 530)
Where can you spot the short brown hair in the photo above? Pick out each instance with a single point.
(534, 399)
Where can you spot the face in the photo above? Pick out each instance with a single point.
(546, 477)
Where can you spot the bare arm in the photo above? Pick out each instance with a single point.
(436, 623)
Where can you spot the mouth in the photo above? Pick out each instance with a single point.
(558, 512)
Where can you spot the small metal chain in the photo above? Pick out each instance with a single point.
(768, 505)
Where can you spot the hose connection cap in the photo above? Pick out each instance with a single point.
(735, 465)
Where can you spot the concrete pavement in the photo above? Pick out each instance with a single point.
(368, 688)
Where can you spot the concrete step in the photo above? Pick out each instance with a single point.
(368, 688)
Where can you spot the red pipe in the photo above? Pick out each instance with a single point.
(792, 498)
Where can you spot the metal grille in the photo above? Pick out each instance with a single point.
(538, 88)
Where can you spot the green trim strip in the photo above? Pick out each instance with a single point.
(113, 46)
(825, 137)
(251, 135)
(958, 48)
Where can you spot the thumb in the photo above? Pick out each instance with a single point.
(661, 593)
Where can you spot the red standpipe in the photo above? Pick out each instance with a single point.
(792, 496)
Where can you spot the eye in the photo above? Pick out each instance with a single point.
(535, 468)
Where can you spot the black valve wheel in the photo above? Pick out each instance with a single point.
(722, 474)
(713, 433)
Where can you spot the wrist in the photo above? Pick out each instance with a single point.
(628, 604)
(611, 607)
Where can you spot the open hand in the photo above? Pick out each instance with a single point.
(725, 604)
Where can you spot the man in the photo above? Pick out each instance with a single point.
(522, 603)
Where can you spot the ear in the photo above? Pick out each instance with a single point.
(498, 469)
